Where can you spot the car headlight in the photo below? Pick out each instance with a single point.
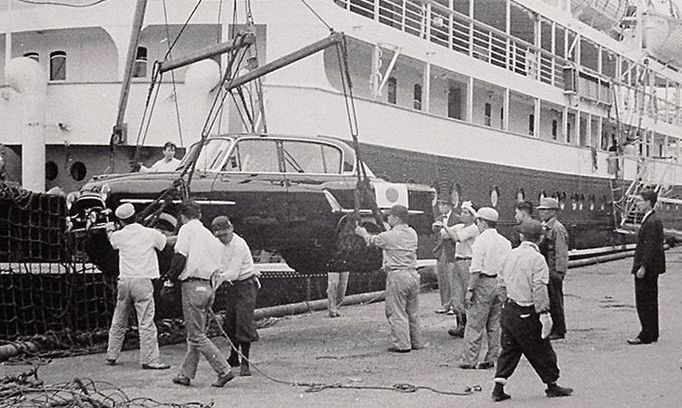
(92, 216)
(71, 198)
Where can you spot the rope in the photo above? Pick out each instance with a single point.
(317, 387)
(317, 15)
(175, 91)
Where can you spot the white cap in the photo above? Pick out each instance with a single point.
(488, 214)
(469, 206)
(125, 211)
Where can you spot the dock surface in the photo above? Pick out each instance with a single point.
(594, 358)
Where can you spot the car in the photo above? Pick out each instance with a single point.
(290, 195)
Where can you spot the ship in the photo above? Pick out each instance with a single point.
(493, 101)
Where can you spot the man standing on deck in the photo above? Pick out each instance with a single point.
(167, 164)
(196, 261)
(463, 234)
(399, 245)
(555, 249)
(445, 253)
(240, 293)
(649, 262)
(138, 265)
(526, 321)
(483, 315)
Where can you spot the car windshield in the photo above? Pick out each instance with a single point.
(211, 156)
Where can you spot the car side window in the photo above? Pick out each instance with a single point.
(257, 156)
(310, 157)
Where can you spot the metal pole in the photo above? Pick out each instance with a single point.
(238, 42)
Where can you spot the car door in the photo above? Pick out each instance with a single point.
(253, 180)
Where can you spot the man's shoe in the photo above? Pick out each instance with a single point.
(465, 366)
(111, 361)
(555, 336)
(420, 346)
(636, 341)
(485, 365)
(397, 350)
(498, 396)
(155, 366)
(223, 378)
(181, 380)
(245, 370)
(554, 390)
(441, 311)
(450, 312)
(456, 332)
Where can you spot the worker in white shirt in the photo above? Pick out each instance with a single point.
(167, 164)
(240, 292)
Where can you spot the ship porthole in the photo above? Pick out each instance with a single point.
(494, 196)
(78, 171)
(520, 195)
(51, 170)
(455, 195)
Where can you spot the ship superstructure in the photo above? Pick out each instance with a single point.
(492, 101)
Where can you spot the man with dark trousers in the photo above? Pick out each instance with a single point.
(649, 262)
(555, 249)
(526, 322)
(444, 250)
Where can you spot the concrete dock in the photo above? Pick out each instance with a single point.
(594, 358)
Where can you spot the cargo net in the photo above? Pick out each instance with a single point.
(42, 288)
(26, 390)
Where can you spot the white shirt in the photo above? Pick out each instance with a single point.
(136, 246)
(202, 249)
(488, 252)
(236, 262)
(163, 166)
(466, 236)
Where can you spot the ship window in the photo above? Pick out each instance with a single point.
(531, 124)
(58, 66)
(257, 156)
(392, 90)
(78, 171)
(33, 55)
(455, 195)
(568, 133)
(417, 97)
(554, 128)
(542, 195)
(140, 68)
(520, 195)
(51, 170)
(307, 157)
(502, 118)
(488, 114)
(494, 196)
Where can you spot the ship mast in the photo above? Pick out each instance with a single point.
(117, 134)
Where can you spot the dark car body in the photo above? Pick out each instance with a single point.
(289, 195)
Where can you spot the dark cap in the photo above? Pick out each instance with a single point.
(399, 211)
(220, 223)
(530, 228)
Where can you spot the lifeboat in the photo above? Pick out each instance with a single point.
(600, 14)
(663, 38)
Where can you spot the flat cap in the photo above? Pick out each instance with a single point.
(548, 203)
(488, 214)
(399, 211)
(220, 223)
(125, 211)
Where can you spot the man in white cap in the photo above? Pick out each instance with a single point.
(138, 265)
(485, 307)
(463, 234)
(555, 249)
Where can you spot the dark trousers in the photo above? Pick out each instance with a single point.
(556, 304)
(521, 331)
(646, 300)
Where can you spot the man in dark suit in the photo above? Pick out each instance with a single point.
(649, 262)
(444, 250)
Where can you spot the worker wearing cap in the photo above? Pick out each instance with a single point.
(240, 292)
(138, 265)
(464, 234)
(444, 250)
(399, 246)
(483, 315)
(526, 322)
(196, 261)
(555, 249)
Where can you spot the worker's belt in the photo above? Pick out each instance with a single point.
(193, 279)
(483, 275)
(462, 258)
(396, 269)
